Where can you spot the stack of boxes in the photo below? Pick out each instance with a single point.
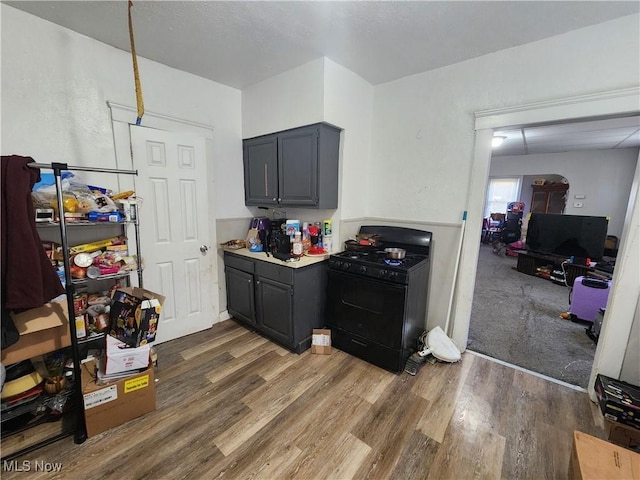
(620, 404)
(118, 384)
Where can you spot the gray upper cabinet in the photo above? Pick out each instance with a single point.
(295, 168)
(261, 170)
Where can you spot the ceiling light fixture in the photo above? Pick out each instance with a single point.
(497, 140)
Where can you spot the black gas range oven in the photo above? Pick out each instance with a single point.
(376, 306)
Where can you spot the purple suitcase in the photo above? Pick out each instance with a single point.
(587, 300)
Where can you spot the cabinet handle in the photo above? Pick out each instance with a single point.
(357, 342)
(266, 180)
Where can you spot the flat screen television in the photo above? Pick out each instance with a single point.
(567, 235)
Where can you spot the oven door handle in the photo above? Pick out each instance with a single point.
(358, 342)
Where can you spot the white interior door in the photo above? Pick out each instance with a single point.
(174, 235)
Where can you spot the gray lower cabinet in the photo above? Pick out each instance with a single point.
(283, 303)
(295, 168)
(241, 294)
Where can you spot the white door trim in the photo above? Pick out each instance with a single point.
(610, 354)
(126, 114)
(608, 103)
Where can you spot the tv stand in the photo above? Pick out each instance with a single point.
(530, 262)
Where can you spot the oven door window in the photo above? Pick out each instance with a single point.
(367, 307)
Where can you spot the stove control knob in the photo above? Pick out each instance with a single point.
(346, 265)
(382, 273)
(362, 269)
(393, 275)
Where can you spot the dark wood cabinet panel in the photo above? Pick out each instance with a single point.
(549, 198)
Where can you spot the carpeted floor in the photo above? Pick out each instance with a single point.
(516, 318)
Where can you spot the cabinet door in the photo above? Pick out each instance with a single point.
(556, 202)
(260, 156)
(539, 202)
(275, 309)
(240, 295)
(298, 166)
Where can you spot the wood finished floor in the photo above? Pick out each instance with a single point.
(233, 405)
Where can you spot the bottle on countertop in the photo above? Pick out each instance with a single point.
(297, 248)
(327, 227)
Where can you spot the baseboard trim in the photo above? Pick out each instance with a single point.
(536, 374)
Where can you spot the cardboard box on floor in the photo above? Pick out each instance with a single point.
(134, 315)
(42, 330)
(623, 435)
(107, 406)
(321, 341)
(596, 459)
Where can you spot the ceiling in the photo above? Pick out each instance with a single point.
(240, 43)
(603, 134)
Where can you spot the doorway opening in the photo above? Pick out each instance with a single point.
(517, 318)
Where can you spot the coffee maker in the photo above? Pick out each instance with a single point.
(279, 241)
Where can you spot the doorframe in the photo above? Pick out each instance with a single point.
(122, 116)
(625, 291)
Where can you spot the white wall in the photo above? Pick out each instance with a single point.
(603, 176)
(348, 103)
(319, 91)
(288, 100)
(423, 125)
(55, 88)
(55, 85)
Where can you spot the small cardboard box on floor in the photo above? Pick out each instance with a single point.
(321, 341)
(134, 315)
(110, 405)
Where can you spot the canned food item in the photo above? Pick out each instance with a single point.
(102, 322)
(80, 302)
(326, 227)
(93, 272)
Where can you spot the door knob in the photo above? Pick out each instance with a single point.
(204, 249)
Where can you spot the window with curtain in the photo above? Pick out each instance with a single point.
(500, 192)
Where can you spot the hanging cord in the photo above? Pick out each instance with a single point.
(136, 73)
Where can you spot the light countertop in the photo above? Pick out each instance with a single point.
(305, 261)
